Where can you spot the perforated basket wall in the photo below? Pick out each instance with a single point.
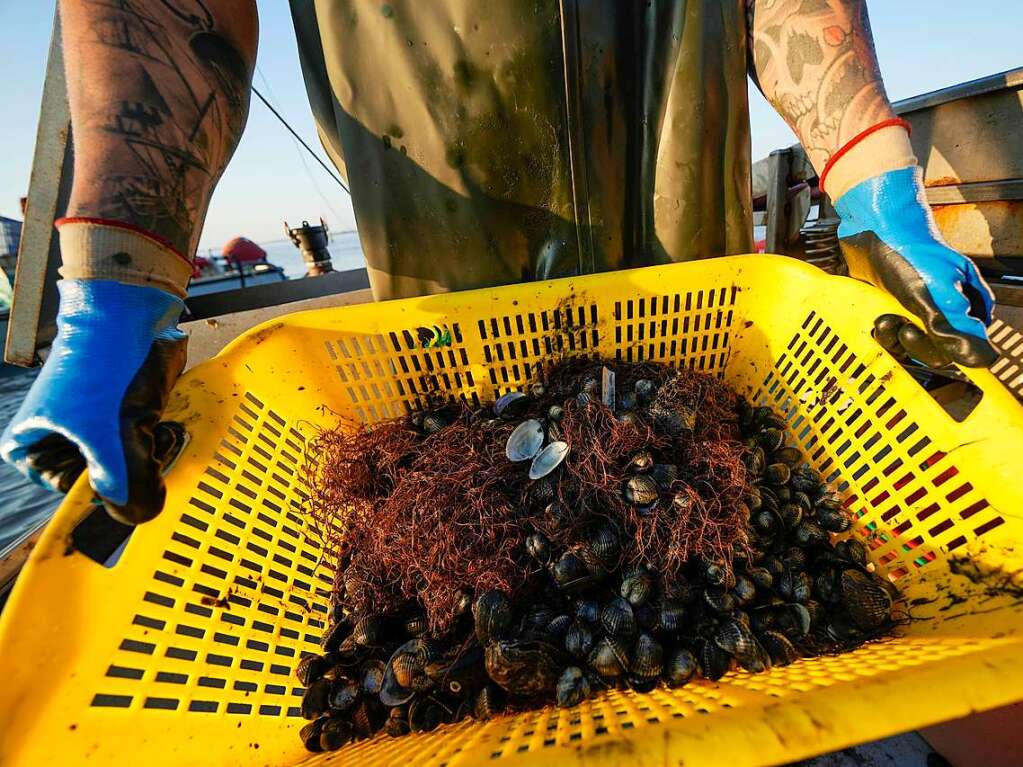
(182, 651)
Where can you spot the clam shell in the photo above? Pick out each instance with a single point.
(868, 604)
(809, 533)
(397, 722)
(771, 440)
(539, 548)
(370, 631)
(637, 586)
(311, 668)
(604, 660)
(588, 610)
(573, 687)
(781, 651)
(554, 412)
(714, 662)
(433, 423)
(643, 684)
(756, 461)
(579, 639)
(524, 667)
(558, 627)
(641, 462)
(670, 616)
(664, 474)
(680, 667)
(806, 480)
(316, 699)
(644, 388)
(791, 515)
(334, 734)
(852, 550)
(790, 455)
(343, 695)
(424, 716)
(511, 405)
(736, 639)
(372, 676)
(744, 590)
(834, 521)
(548, 459)
(647, 657)
(571, 573)
(310, 735)
(641, 490)
(525, 441)
(491, 615)
(618, 620)
(777, 474)
(760, 576)
(605, 543)
(719, 601)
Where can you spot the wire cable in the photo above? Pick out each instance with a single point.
(301, 141)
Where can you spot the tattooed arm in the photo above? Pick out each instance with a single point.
(814, 61)
(159, 93)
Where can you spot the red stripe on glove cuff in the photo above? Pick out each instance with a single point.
(893, 122)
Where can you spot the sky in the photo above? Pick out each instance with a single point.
(922, 45)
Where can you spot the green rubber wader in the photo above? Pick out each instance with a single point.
(488, 142)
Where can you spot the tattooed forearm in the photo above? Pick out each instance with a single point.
(159, 93)
(814, 60)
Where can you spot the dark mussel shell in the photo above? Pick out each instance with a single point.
(489, 702)
(571, 573)
(833, 520)
(573, 687)
(558, 627)
(524, 667)
(316, 699)
(777, 474)
(603, 659)
(826, 587)
(539, 548)
(511, 405)
(641, 462)
(643, 684)
(771, 440)
(744, 590)
(637, 586)
(397, 723)
(647, 657)
(606, 544)
(543, 491)
(736, 639)
(680, 667)
(425, 715)
(372, 676)
(780, 650)
(579, 639)
(311, 668)
(714, 662)
(433, 423)
(719, 601)
(310, 735)
(343, 695)
(664, 474)
(641, 490)
(335, 635)
(790, 455)
(805, 479)
(719, 574)
(371, 631)
(588, 610)
(761, 576)
(756, 460)
(492, 615)
(618, 619)
(670, 615)
(790, 514)
(852, 550)
(335, 733)
(809, 533)
(793, 620)
(867, 602)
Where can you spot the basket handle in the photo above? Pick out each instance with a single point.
(994, 397)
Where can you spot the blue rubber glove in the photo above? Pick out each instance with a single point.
(889, 239)
(98, 400)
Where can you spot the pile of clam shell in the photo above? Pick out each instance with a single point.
(598, 620)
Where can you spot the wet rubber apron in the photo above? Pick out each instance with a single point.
(494, 141)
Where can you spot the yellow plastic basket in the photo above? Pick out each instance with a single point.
(182, 652)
